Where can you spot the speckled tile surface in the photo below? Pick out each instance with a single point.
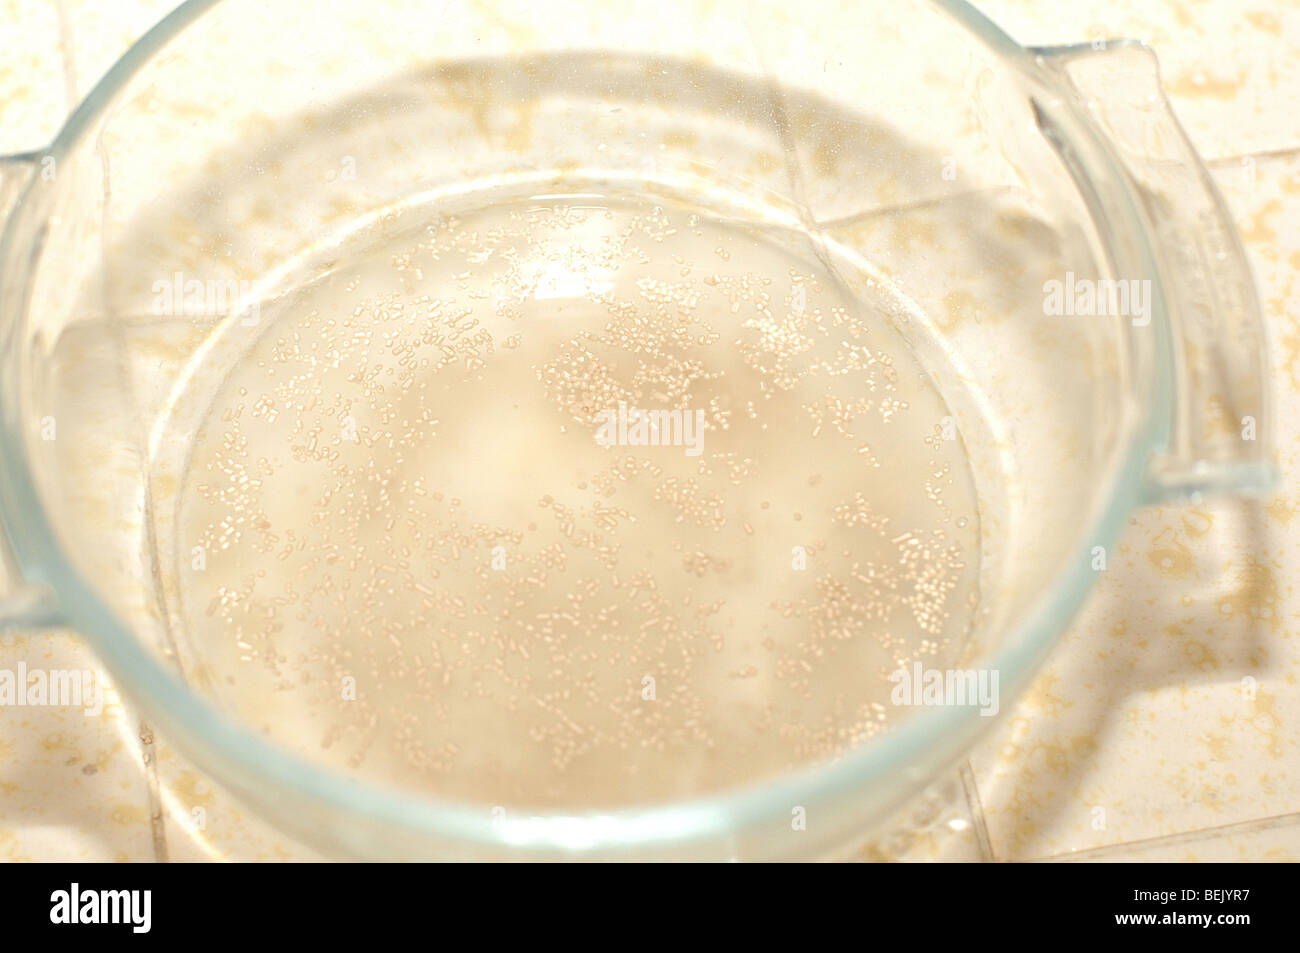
(1165, 727)
(1174, 703)
(72, 784)
(33, 90)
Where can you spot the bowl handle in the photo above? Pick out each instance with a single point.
(23, 604)
(1218, 424)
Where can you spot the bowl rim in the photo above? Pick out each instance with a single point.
(248, 763)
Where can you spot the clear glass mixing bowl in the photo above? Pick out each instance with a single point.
(951, 178)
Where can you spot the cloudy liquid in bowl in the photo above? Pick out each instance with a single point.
(444, 548)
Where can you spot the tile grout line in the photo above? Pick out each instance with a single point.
(1224, 162)
(1173, 840)
(157, 816)
(975, 805)
(66, 54)
(148, 754)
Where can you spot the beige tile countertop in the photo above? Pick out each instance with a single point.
(1165, 727)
